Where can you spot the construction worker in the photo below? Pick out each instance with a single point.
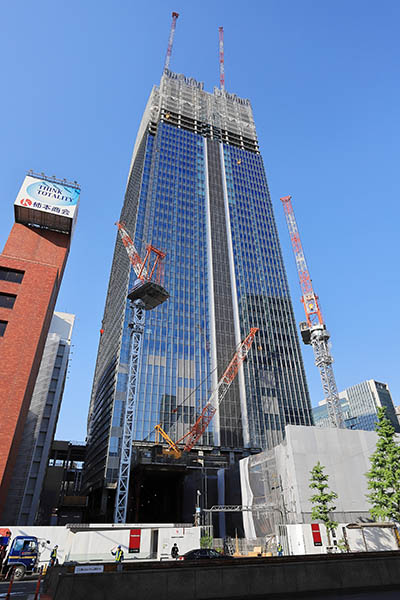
(53, 556)
(279, 549)
(119, 554)
(175, 551)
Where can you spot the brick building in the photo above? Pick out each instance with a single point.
(31, 269)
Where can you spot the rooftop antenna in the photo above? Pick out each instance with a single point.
(175, 15)
(221, 58)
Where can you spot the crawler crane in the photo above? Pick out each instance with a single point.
(202, 422)
(313, 331)
(145, 294)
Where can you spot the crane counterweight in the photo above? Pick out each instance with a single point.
(152, 294)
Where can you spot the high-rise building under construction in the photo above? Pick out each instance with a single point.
(196, 189)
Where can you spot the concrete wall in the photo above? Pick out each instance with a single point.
(240, 578)
(344, 454)
(278, 480)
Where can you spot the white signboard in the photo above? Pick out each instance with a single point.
(89, 569)
(49, 197)
(186, 538)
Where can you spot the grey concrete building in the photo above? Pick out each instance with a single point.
(30, 468)
(276, 482)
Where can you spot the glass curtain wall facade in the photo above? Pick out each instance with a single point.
(197, 189)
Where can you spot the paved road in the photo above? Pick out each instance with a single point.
(383, 595)
(21, 590)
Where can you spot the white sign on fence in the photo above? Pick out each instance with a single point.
(89, 569)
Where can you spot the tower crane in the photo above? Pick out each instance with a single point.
(221, 58)
(175, 15)
(313, 330)
(145, 294)
(213, 402)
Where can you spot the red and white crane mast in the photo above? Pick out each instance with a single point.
(175, 15)
(313, 330)
(221, 58)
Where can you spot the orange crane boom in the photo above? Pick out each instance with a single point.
(214, 401)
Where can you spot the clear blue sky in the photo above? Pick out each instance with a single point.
(323, 79)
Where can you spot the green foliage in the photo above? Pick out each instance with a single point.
(342, 545)
(322, 499)
(384, 474)
(206, 541)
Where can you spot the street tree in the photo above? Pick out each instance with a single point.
(384, 474)
(322, 499)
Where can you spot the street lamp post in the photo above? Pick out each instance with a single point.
(197, 515)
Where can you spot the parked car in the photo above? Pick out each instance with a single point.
(201, 553)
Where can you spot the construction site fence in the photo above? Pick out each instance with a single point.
(245, 547)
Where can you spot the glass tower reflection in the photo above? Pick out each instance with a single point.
(197, 189)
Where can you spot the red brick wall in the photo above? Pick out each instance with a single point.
(42, 255)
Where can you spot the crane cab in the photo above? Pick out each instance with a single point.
(152, 294)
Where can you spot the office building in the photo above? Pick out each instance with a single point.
(321, 416)
(196, 189)
(30, 467)
(360, 404)
(31, 270)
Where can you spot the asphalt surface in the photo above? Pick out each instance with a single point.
(384, 595)
(21, 590)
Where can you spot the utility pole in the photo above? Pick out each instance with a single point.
(197, 516)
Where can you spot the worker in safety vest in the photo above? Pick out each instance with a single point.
(53, 556)
(280, 549)
(119, 554)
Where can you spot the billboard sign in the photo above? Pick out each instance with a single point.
(58, 201)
